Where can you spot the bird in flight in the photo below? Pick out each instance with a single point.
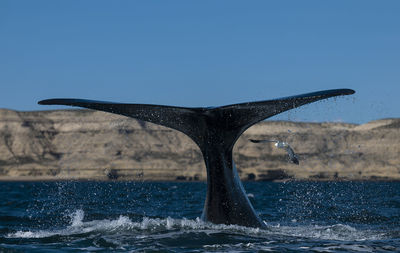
(282, 145)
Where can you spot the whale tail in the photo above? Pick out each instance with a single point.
(215, 131)
(196, 123)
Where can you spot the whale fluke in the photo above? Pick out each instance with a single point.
(215, 130)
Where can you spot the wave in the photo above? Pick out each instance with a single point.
(162, 228)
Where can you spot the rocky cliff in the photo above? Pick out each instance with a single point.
(84, 144)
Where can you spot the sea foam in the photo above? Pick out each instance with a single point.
(150, 227)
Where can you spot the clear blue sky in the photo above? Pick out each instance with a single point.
(203, 53)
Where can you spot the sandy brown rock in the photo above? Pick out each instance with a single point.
(84, 144)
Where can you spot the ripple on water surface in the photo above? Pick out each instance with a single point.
(184, 234)
(81, 222)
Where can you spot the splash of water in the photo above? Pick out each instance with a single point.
(150, 227)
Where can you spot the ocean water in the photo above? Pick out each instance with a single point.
(151, 217)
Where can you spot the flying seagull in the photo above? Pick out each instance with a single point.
(283, 145)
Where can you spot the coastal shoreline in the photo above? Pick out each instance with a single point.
(88, 145)
(54, 179)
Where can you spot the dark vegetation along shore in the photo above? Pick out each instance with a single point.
(84, 144)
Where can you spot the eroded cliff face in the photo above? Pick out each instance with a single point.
(84, 144)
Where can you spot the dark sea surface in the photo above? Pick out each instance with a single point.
(137, 216)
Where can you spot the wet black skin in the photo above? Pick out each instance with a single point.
(215, 131)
